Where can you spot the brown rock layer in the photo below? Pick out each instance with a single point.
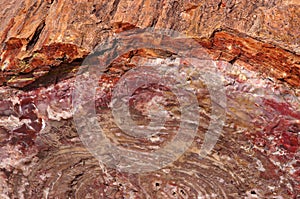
(39, 35)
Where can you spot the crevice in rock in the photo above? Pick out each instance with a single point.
(55, 74)
(35, 36)
(114, 7)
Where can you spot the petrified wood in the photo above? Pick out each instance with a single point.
(46, 45)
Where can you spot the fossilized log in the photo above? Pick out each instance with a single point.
(255, 46)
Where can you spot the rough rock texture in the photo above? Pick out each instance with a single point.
(255, 45)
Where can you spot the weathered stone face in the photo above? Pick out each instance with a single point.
(254, 46)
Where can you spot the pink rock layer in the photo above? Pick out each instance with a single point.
(256, 156)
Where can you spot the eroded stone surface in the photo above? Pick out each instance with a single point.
(256, 155)
(39, 35)
(44, 42)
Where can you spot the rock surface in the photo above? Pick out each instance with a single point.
(255, 47)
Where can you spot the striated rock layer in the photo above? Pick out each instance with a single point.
(255, 47)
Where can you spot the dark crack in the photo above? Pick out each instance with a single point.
(35, 36)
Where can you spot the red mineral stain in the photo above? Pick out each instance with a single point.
(23, 136)
(281, 108)
(290, 142)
